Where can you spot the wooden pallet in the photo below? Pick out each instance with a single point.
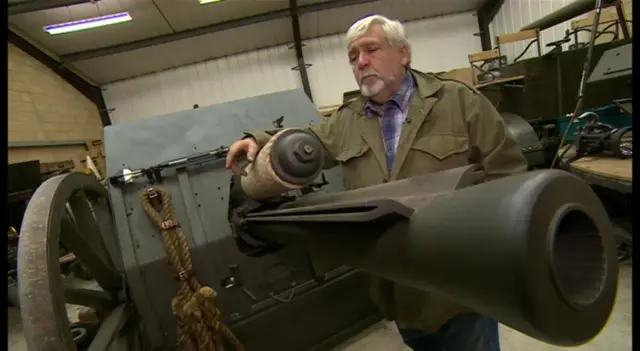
(95, 150)
(55, 167)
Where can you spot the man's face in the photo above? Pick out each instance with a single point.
(376, 64)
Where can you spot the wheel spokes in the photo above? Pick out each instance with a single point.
(61, 211)
(42, 308)
(110, 327)
(98, 300)
(89, 252)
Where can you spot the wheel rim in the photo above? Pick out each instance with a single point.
(72, 209)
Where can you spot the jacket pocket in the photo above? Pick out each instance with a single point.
(357, 161)
(440, 152)
(352, 152)
(442, 146)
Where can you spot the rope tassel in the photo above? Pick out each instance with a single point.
(198, 321)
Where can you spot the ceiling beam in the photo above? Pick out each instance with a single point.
(218, 27)
(40, 5)
(297, 45)
(485, 14)
(90, 91)
(491, 8)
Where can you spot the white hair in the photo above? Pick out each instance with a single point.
(392, 30)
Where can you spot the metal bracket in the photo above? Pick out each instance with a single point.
(234, 280)
(613, 63)
(277, 123)
(154, 173)
(293, 46)
(297, 67)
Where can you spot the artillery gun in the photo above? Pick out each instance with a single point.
(290, 272)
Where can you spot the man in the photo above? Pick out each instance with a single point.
(407, 123)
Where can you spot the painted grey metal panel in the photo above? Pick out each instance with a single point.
(200, 199)
(148, 141)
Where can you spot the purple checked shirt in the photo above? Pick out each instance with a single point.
(392, 115)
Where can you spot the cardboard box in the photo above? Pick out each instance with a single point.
(464, 75)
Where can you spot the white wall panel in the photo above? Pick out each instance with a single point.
(516, 14)
(206, 83)
(330, 74)
(443, 43)
(438, 44)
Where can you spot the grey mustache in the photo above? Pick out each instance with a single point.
(366, 75)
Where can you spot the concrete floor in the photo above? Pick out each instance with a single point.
(384, 336)
(615, 337)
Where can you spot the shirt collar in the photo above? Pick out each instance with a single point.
(401, 98)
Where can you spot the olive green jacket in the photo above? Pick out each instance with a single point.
(446, 119)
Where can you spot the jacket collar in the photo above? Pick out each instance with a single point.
(426, 85)
(401, 98)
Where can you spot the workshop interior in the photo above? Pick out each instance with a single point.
(126, 232)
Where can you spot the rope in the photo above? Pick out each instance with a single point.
(198, 320)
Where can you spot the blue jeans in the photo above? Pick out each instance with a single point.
(465, 332)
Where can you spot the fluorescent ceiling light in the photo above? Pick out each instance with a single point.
(202, 2)
(89, 23)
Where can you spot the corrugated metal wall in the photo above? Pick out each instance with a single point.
(206, 83)
(516, 14)
(438, 44)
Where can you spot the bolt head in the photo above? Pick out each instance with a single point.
(303, 154)
(308, 149)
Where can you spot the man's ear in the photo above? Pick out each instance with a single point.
(405, 53)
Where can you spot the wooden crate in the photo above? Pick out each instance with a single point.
(95, 150)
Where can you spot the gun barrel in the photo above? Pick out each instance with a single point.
(534, 251)
(565, 13)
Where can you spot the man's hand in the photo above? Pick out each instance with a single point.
(240, 148)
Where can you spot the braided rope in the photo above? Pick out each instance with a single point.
(198, 320)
